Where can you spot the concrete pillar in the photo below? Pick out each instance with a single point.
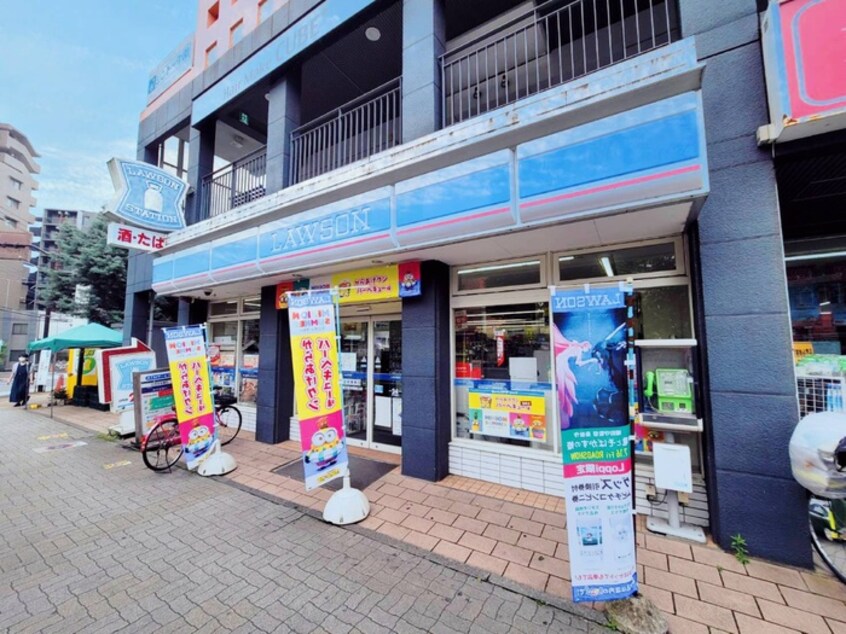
(283, 117)
(426, 380)
(744, 318)
(192, 311)
(275, 401)
(423, 38)
(200, 163)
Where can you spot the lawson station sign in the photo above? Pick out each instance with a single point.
(149, 200)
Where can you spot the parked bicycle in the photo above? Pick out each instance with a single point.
(161, 448)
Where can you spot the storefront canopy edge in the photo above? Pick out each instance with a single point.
(86, 336)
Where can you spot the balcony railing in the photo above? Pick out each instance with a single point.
(358, 129)
(236, 184)
(554, 43)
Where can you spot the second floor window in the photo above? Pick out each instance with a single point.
(211, 54)
(236, 33)
(10, 222)
(15, 183)
(265, 9)
(12, 203)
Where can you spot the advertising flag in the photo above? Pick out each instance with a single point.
(590, 345)
(317, 386)
(189, 372)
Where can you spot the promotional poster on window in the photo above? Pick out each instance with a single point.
(589, 333)
(506, 414)
(317, 386)
(192, 394)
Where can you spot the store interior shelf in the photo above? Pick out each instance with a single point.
(677, 421)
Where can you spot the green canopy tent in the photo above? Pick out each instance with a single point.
(86, 336)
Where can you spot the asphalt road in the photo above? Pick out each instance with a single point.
(91, 541)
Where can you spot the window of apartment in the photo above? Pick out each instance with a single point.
(19, 329)
(236, 33)
(10, 222)
(211, 54)
(213, 14)
(12, 203)
(265, 9)
(15, 183)
(234, 346)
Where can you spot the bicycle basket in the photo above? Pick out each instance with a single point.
(224, 400)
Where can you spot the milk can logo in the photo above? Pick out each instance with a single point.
(147, 196)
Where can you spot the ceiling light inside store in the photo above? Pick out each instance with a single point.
(566, 258)
(606, 266)
(373, 34)
(499, 267)
(815, 256)
(825, 303)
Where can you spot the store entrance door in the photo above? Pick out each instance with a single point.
(371, 364)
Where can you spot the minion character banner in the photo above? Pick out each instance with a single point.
(591, 332)
(520, 415)
(317, 386)
(189, 371)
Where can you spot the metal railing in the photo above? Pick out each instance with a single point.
(236, 184)
(358, 129)
(556, 42)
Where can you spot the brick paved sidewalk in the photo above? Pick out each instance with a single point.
(519, 536)
(91, 541)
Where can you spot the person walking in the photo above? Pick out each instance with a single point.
(20, 381)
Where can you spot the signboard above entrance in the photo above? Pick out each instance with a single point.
(373, 284)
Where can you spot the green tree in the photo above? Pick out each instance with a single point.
(86, 276)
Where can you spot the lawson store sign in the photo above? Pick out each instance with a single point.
(645, 157)
(147, 196)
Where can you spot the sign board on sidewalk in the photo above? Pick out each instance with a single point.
(673, 469)
(121, 370)
(590, 346)
(153, 399)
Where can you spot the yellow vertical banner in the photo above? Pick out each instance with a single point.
(317, 386)
(189, 372)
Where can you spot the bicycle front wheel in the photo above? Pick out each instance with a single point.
(228, 424)
(163, 446)
(828, 534)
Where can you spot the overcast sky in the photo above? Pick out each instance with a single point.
(73, 78)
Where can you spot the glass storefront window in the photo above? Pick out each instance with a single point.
(499, 276)
(221, 309)
(632, 261)
(249, 362)
(817, 292)
(503, 383)
(234, 352)
(664, 313)
(251, 305)
(222, 349)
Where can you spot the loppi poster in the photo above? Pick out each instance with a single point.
(317, 386)
(189, 372)
(590, 346)
(508, 414)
